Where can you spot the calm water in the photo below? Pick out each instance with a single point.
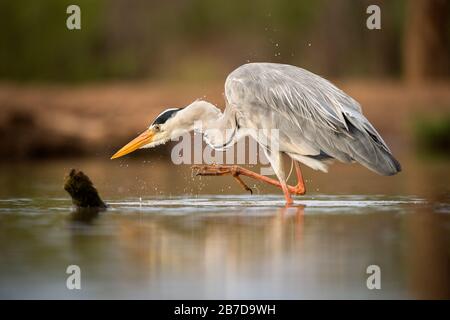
(170, 235)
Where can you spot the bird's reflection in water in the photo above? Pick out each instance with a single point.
(209, 246)
(299, 217)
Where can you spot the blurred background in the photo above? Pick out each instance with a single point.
(70, 98)
(83, 92)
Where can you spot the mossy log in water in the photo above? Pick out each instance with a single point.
(82, 191)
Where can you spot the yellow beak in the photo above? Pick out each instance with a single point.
(144, 138)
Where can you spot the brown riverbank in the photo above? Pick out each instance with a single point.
(48, 121)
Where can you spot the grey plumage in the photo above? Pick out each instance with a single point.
(316, 120)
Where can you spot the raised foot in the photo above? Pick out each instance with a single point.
(220, 170)
(236, 171)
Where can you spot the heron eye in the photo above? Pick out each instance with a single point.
(157, 127)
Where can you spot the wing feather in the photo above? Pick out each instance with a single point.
(311, 111)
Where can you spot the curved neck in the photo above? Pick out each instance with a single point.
(219, 129)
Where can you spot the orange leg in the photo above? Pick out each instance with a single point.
(287, 195)
(299, 189)
(236, 171)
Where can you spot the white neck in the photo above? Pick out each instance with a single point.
(219, 128)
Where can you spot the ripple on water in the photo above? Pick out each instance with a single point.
(213, 203)
(320, 203)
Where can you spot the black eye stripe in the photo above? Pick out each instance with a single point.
(166, 115)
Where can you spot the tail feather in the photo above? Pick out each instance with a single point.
(368, 148)
(383, 163)
(373, 154)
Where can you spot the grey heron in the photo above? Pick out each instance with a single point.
(315, 121)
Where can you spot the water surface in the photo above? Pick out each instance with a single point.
(170, 235)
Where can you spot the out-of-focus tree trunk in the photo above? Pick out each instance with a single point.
(426, 40)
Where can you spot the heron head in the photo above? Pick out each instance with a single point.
(166, 126)
(171, 124)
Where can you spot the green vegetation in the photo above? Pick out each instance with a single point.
(120, 39)
(432, 136)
